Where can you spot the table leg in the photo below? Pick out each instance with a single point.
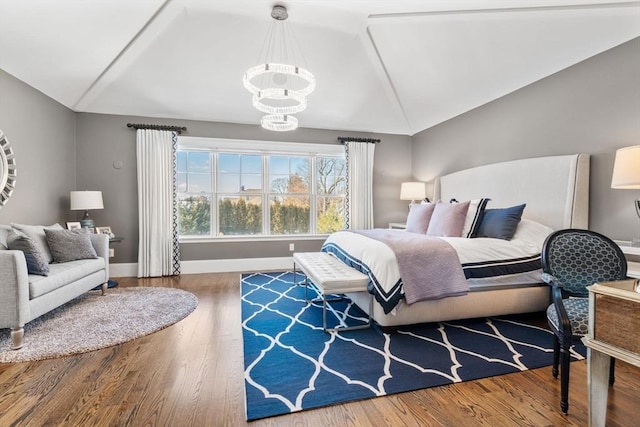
(598, 383)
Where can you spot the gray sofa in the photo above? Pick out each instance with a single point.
(24, 296)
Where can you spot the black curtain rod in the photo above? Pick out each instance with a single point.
(178, 129)
(344, 139)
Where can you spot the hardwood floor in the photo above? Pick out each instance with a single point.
(191, 374)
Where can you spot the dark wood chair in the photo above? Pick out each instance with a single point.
(573, 259)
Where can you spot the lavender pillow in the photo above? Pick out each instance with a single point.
(448, 219)
(419, 217)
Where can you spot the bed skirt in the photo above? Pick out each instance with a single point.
(475, 304)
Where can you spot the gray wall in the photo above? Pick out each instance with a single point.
(104, 139)
(592, 107)
(42, 134)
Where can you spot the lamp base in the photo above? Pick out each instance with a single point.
(86, 221)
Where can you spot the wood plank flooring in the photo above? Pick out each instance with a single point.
(191, 374)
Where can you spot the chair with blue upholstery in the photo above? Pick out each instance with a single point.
(573, 259)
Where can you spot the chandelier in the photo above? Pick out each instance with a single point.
(279, 89)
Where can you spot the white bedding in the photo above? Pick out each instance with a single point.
(484, 260)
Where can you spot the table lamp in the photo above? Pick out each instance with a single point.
(626, 174)
(413, 191)
(85, 200)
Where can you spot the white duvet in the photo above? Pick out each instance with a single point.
(482, 257)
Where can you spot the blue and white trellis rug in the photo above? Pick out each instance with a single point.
(292, 365)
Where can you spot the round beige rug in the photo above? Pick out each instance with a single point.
(92, 321)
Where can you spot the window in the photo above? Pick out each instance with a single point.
(246, 188)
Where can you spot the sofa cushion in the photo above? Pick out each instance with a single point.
(36, 233)
(4, 232)
(70, 245)
(36, 264)
(62, 274)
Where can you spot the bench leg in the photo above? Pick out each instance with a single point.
(345, 328)
(295, 275)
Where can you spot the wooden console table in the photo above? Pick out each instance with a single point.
(614, 322)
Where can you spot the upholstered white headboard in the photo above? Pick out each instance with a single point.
(555, 189)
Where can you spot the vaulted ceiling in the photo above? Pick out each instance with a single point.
(397, 66)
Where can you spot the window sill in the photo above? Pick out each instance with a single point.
(224, 239)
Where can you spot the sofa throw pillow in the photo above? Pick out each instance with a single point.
(448, 219)
(70, 245)
(36, 233)
(501, 223)
(36, 263)
(419, 217)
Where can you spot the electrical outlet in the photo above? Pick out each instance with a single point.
(112, 252)
(292, 247)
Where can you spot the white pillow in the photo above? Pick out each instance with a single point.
(532, 231)
(474, 217)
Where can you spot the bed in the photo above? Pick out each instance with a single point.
(556, 192)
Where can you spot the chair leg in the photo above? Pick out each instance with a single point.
(556, 356)
(565, 362)
(612, 371)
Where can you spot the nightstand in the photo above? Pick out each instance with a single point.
(398, 225)
(113, 283)
(633, 268)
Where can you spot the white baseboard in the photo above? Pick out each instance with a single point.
(123, 270)
(212, 266)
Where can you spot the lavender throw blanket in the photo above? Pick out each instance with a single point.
(429, 267)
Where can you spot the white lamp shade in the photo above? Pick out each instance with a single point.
(85, 200)
(626, 168)
(412, 191)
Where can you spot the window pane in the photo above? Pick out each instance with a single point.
(330, 175)
(194, 213)
(240, 215)
(228, 163)
(181, 182)
(298, 184)
(199, 162)
(300, 175)
(182, 161)
(278, 165)
(199, 182)
(300, 166)
(289, 215)
(330, 214)
(251, 164)
(229, 183)
(251, 183)
(279, 184)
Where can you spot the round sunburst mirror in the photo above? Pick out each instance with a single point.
(7, 170)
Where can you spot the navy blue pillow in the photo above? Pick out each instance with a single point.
(500, 223)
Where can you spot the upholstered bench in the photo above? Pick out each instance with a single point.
(330, 276)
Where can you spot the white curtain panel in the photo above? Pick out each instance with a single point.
(158, 250)
(359, 185)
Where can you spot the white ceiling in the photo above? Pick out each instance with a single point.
(381, 66)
